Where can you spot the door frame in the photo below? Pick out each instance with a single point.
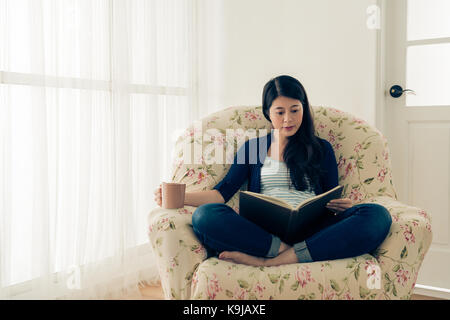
(381, 105)
(380, 70)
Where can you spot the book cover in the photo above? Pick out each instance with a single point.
(290, 224)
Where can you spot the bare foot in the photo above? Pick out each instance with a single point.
(283, 247)
(243, 258)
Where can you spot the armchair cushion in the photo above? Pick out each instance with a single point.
(342, 279)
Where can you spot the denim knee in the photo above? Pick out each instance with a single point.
(200, 214)
(378, 225)
(203, 216)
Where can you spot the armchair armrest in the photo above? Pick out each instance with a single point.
(176, 249)
(402, 252)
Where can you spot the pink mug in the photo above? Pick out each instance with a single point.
(173, 195)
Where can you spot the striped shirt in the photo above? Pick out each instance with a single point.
(275, 182)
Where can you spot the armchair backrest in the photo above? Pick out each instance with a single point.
(361, 151)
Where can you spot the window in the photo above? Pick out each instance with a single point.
(89, 92)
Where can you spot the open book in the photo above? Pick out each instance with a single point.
(278, 217)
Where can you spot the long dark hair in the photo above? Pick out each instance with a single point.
(303, 151)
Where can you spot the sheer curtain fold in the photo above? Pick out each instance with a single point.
(77, 157)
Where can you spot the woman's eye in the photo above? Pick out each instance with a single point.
(280, 113)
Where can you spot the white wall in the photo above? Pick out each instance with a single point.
(325, 44)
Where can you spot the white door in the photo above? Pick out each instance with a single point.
(417, 57)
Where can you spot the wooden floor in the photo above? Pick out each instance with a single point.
(156, 293)
(152, 293)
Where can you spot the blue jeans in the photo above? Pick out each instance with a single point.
(357, 230)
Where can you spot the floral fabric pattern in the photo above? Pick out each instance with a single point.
(364, 169)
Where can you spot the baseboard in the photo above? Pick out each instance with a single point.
(430, 291)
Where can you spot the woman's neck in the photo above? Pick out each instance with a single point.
(281, 142)
(276, 149)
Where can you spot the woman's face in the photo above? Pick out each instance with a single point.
(286, 115)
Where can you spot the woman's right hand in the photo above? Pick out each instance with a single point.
(158, 195)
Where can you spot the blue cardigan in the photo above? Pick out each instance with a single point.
(245, 167)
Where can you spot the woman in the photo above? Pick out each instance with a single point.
(297, 165)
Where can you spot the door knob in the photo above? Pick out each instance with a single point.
(396, 91)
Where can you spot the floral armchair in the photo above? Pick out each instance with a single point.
(364, 169)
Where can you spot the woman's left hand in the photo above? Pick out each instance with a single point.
(338, 205)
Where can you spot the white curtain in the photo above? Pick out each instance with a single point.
(91, 94)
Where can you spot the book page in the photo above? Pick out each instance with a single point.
(316, 197)
(271, 199)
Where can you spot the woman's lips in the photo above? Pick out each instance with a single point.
(289, 128)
